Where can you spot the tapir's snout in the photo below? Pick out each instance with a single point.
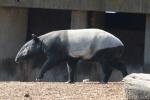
(21, 54)
(17, 60)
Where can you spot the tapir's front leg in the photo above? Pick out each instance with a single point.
(49, 63)
(43, 70)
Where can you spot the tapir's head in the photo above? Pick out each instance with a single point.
(31, 48)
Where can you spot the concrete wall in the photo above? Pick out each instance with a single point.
(57, 4)
(133, 6)
(13, 28)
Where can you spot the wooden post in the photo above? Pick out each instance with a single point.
(147, 45)
(78, 19)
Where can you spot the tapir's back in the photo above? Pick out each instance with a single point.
(83, 42)
(86, 42)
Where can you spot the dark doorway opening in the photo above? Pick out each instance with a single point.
(130, 28)
(41, 21)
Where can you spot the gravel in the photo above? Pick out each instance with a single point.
(61, 91)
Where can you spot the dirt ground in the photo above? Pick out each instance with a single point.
(61, 91)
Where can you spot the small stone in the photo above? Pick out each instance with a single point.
(26, 95)
(86, 80)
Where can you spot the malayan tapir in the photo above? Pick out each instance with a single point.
(70, 46)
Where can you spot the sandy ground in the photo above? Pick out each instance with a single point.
(61, 91)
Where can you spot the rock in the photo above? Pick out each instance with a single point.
(86, 80)
(27, 95)
(137, 86)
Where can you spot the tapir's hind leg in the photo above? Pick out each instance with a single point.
(71, 68)
(120, 66)
(107, 70)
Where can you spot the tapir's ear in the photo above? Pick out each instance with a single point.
(35, 38)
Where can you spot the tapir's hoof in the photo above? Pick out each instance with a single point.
(38, 80)
(69, 81)
(103, 82)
